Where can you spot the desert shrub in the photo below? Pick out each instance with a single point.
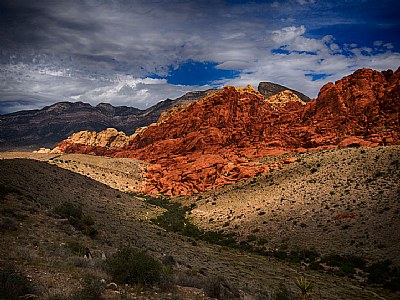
(92, 289)
(251, 238)
(76, 247)
(128, 265)
(174, 219)
(304, 286)
(67, 210)
(89, 230)
(12, 213)
(393, 283)
(167, 281)
(346, 264)
(379, 272)
(13, 284)
(76, 218)
(384, 274)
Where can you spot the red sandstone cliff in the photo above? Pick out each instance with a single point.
(211, 142)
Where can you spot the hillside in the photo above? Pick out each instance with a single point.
(45, 254)
(343, 201)
(214, 141)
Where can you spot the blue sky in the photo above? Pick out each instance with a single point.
(137, 53)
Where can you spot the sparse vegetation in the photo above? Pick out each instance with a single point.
(76, 218)
(13, 284)
(131, 266)
(51, 250)
(305, 286)
(174, 219)
(76, 247)
(92, 289)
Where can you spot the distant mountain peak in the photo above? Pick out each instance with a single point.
(269, 89)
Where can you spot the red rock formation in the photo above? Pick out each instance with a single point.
(364, 105)
(211, 142)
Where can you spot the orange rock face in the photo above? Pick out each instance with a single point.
(213, 141)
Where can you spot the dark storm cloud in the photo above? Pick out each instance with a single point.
(104, 51)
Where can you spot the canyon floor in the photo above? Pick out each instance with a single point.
(341, 201)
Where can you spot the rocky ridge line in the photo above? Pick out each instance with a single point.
(214, 141)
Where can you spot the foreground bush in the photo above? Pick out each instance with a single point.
(13, 284)
(134, 267)
(76, 218)
(92, 290)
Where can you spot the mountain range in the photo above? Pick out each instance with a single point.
(33, 129)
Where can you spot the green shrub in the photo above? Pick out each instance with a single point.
(88, 220)
(67, 210)
(346, 264)
(304, 286)
(92, 290)
(13, 284)
(131, 266)
(76, 218)
(76, 248)
(174, 219)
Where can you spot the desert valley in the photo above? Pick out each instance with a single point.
(232, 193)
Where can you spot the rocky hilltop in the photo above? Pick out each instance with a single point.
(208, 143)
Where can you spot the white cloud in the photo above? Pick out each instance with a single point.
(45, 86)
(388, 46)
(324, 57)
(287, 34)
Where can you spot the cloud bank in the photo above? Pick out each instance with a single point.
(130, 52)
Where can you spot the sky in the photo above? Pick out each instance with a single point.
(137, 53)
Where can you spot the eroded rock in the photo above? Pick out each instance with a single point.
(211, 142)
